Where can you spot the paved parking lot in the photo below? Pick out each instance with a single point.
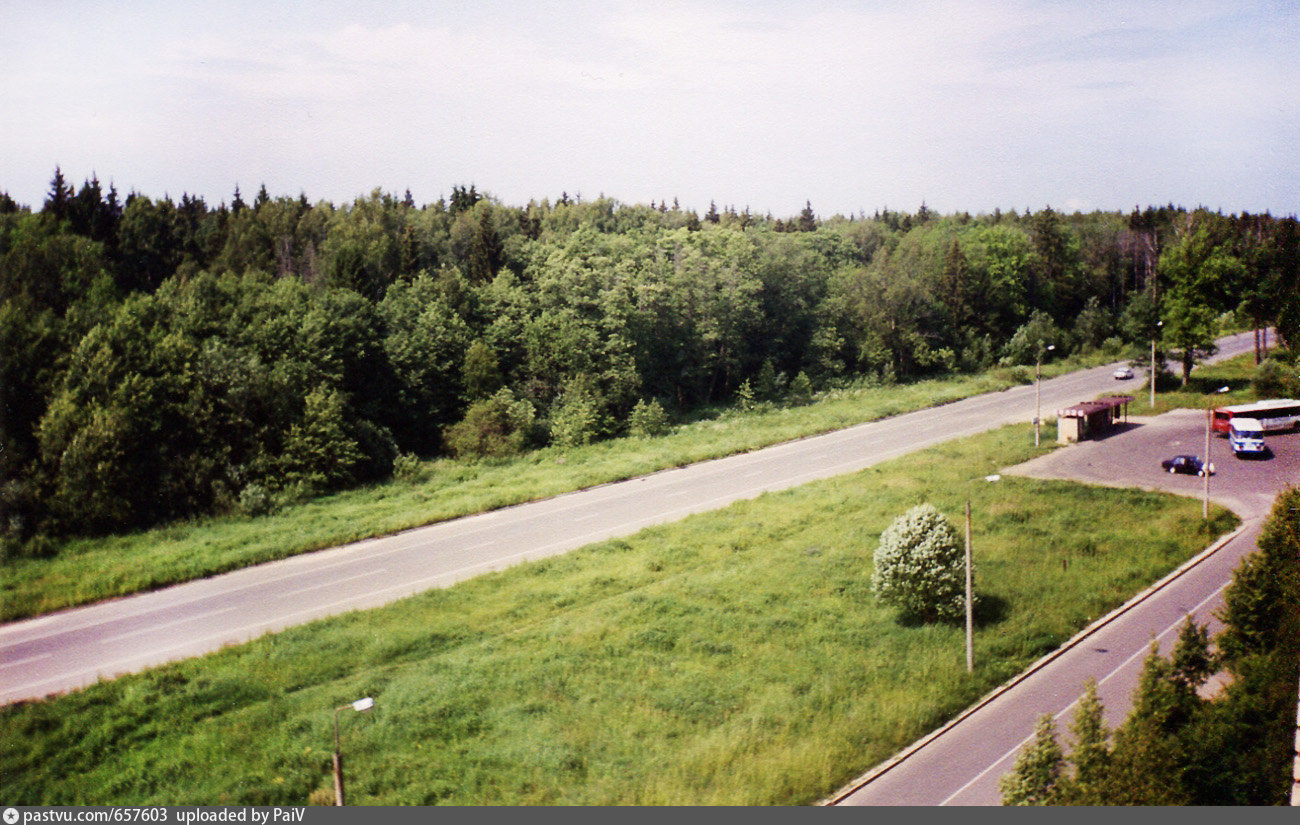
(1131, 456)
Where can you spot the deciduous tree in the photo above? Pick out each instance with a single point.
(920, 566)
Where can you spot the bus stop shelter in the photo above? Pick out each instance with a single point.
(1091, 419)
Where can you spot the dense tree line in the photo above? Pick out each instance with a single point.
(169, 358)
(1178, 747)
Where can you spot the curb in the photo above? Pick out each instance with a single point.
(896, 760)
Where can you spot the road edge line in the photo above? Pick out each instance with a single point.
(902, 756)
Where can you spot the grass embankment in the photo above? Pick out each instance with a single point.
(88, 570)
(1203, 388)
(736, 657)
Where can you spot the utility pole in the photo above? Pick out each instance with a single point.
(970, 611)
(970, 583)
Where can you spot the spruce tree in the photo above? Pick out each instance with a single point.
(84, 207)
(1192, 661)
(60, 197)
(1145, 764)
(1090, 755)
(807, 218)
(1036, 777)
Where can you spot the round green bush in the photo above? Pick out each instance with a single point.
(920, 566)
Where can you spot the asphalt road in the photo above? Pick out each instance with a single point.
(963, 764)
(74, 648)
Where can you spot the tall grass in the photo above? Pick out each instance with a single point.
(737, 657)
(87, 570)
(1204, 387)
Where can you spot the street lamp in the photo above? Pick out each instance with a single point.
(1038, 390)
(970, 594)
(1209, 417)
(360, 705)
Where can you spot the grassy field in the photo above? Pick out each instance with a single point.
(88, 570)
(736, 657)
(1203, 388)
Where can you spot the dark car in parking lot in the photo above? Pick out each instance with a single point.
(1189, 464)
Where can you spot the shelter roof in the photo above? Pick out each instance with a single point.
(1086, 408)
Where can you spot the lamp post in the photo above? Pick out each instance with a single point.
(1205, 502)
(970, 589)
(360, 705)
(1209, 418)
(1038, 391)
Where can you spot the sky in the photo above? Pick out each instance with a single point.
(850, 106)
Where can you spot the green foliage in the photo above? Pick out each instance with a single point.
(801, 391)
(126, 402)
(578, 417)
(745, 397)
(920, 566)
(361, 249)
(1032, 339)
(1090, 754)
(183, 397)
(148, 247)
(1192, 662)
(648, 420)
(768, 384)
(1036, 777)
(1190, 329)
(1202, 264)
(256, 500)
(494, 427)
(476, 243)
(318, 450)
(50, 269)
(1273, 379)
(409, 468)
(1261, 604)
(413, 313)
(1094, 325)
(1140, 321)
(481, 372)
(426, 343)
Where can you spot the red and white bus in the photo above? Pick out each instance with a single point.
(1274, 414)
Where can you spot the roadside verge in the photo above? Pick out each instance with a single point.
(896, 760)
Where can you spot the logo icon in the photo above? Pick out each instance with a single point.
(11, 816)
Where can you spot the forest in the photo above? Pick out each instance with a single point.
(166, 360)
